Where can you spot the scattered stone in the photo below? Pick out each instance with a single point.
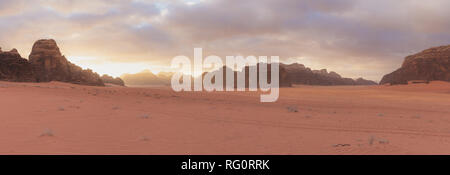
(146, 116)
(416, 117)
(145, 139)
(341, 145)
(292, 108)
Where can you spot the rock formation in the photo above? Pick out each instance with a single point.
(145, 78)
(15, 68)
(299, 74)
(111, 80)
(428, 65)
(49, 65)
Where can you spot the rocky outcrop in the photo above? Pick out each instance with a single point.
(15, 68)
(49, 65)
(299, 74)
(111, 80)
(284, 77)
(428, 65)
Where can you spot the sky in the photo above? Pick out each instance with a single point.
(356, 38)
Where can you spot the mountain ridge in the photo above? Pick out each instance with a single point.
(45, 64)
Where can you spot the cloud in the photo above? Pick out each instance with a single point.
(354, 38)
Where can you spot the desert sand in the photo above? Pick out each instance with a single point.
(60, 118)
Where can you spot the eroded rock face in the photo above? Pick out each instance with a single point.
(431, 64)
(49, 65)
(15, 68)
(112, 80)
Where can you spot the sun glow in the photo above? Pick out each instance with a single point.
(115, 69)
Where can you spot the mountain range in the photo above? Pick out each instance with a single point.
(46, 63)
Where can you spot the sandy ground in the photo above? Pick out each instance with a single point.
(59, 118)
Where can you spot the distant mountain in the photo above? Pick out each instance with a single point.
(284, 80)
(299, 74)
(428, 65)
(111, 80)
(146, 77)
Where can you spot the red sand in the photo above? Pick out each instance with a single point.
(59, 118)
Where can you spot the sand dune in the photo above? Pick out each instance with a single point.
(59, 118)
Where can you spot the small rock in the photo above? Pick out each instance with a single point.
(382, 141)
(371, 140)
(47, 132)
(145, 139)
(416, 117)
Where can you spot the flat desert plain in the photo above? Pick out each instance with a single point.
(60, 118)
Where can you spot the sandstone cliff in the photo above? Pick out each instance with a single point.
(15, 68)
(428, 65)
(146, 78)
(50, 65)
